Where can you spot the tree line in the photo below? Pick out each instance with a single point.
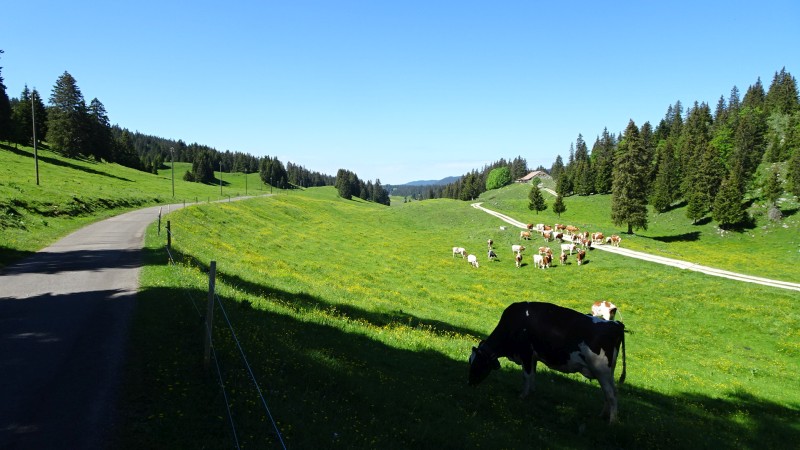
(703, 159)
(71, 127)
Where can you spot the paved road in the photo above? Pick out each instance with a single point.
(662, 260)
(64, 317)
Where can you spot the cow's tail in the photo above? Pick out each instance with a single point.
(624, 364)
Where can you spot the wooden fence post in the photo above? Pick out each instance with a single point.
(159, 221)
(212, 275)
(169, 236)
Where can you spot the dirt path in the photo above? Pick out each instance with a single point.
(663, 260)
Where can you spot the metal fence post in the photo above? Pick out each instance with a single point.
(212, 275)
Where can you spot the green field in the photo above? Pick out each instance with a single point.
(358, 323)
(72, 193)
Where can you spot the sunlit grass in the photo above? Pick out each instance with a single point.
(358, 322)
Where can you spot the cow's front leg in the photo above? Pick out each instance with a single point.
(528, 376)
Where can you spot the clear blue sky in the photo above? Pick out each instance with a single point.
(401, 90)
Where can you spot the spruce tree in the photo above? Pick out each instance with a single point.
(558, 205)
(66, 119)
(536, 200)
(99, 138)
(793, 172)
(629, 191)
(697, 205)
(6, 125)
(729, 209)
(772, 189)
(665, 186)
(21, 116)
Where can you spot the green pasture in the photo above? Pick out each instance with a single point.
(358, 322)
(766, 249)
(74, 192)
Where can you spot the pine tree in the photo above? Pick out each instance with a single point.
(21, 116)
(603, 162)
(697, 206)
(629, 191)
(66, 121)
(666, 185)
(557, 168)
(782, 97)
(99, 138)
(793, 172)
(536, 200)
(558, 205)
(773, 189)
(6, 125)
(729, 207)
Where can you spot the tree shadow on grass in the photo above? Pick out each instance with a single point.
(307, 301)
(691, 236)
(330, 388)
(61, 163)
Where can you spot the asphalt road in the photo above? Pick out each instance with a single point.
(64, 318)
(662, 260)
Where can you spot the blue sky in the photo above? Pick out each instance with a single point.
(397, 91)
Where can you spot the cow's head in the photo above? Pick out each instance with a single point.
(481, 362)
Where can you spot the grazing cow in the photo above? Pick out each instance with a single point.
(567, 248)
(472, 259)
(490, 244)
(572, 229)
(538, 261)
(525, 235)
(543, 250)
(597, 237)
(529, 226)
(560, 237)
(459, 251)
(547, 235)
(518, 260)
(491, 255)
(563, 258)
(563, 339)
(613, 240)
(516, 248)
(604, 309)
(539, 227)
(580, 256)
(559, 227)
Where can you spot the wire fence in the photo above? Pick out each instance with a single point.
(215, 302)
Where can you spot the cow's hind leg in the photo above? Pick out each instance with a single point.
(528, 377)
(610, 394)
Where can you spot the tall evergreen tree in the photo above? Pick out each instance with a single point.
(629, 191)
(729, 209)
(6, 125)
(66, 119)
(558, 205)
(603, 162)
(536, 200)
(793, 172)
(99, 140)
(782, 97)
(21, 116)
(666, 184)
(557, 168)
(772, 188)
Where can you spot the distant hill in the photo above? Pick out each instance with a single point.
(441, 182)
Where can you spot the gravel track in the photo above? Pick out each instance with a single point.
(663, 260)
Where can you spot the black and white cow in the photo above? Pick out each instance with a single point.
(564, 339)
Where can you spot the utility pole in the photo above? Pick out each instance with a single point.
(220, 178)
(172, 153)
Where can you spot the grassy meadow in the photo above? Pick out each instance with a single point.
(358, 323)
(766, 249)
(72, 193)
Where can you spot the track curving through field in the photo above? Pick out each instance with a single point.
(663, 260)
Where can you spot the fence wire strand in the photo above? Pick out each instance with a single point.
(250, 370)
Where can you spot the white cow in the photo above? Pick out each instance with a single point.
(472, 259)
(516, 248)
(459, 251)
(569, 248)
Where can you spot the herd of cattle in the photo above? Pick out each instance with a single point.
(577, 242)
(563, 339)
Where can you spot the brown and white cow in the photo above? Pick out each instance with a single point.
(597, 237)
(563, 339)
(525, 235)
(614, 240)
(547, 235)
(604, 309)
(563, 258)
(516, 248)
(518, 260)
(459, 251)
(580, 256)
